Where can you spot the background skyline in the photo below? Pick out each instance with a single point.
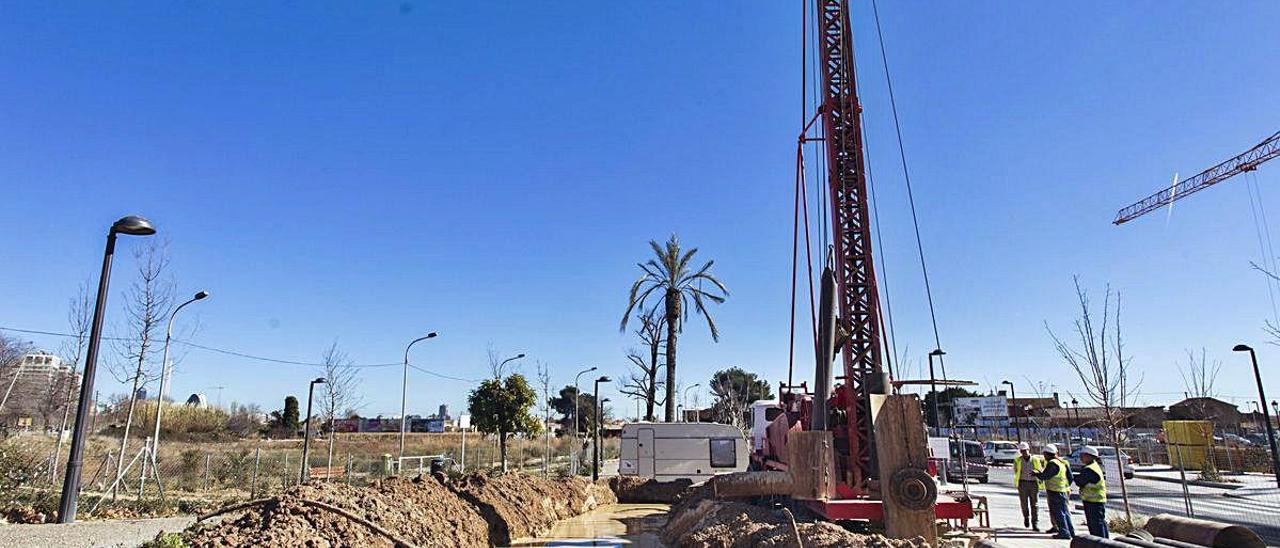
(366, 173)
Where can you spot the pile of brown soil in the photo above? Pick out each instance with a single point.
(517, 505)
(633, 489)
(701, 522)
(421, 511)
(23, 514)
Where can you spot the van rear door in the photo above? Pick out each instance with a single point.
(645, 449)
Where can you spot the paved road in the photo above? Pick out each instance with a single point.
(1260, 510)
(90, 534)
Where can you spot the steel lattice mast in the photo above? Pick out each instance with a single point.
(859, 300)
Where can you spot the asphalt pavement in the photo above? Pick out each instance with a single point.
(1253, 507)
(90, 534)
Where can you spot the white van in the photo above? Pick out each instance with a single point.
(669, 451)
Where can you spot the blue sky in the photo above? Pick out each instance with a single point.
(364, 172)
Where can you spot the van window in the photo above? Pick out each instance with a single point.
(772, 413)
(724, 454)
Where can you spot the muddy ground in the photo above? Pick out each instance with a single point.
(476, 510)
(633, 489)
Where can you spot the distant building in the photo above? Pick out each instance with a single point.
(35, 390)
(444, 412)
(1095, 417)
(140, 395)
(1223, 415)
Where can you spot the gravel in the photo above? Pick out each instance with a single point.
(90, 533)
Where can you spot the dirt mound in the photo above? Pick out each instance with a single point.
(517, 506)
(633, 489)
(421, 511)
(701, 522)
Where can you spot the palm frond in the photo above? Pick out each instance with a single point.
(711, 323)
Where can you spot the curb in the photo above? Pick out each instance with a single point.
(1197, 483)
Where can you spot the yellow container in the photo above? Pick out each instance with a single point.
(1188, 443)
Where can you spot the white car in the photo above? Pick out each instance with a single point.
(1000, 452)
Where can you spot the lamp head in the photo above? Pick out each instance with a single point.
(1241, 348)
(606, 400)
(200, 295)
(518, 356)
(604, 378)
(431, 335)
(1006, 382)
(319, 380)
(133, 225)
(937, 352)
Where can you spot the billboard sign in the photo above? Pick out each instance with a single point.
(464, 421)
(972, 410)
(435, 425)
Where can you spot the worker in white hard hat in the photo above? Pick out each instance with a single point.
(1093, 491)
(1057, 486)
(1025, 468)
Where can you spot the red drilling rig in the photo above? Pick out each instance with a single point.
(852, 451)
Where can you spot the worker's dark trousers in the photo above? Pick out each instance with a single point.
(1060, 513)
(1096, 515)
(1029, 498)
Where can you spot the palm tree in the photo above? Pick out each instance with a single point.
(668, 275)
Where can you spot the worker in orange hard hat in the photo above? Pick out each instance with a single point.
(1025, 468)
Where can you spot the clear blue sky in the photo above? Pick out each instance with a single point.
(363, 172)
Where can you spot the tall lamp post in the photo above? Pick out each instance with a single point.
(598, 452)
(577, 397)
(1266, 415)
(306, 433)
(933, 387)
(404, 391)
(1017, 425)
(132, 226)
(595, 449)
(1076, 405)
(685, 403)
(164, 378)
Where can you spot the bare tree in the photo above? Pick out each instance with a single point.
(643, 379)
(1104, 369)
(147, 304)
(544, 380)
(498, 365)
(341, 383)
(1198, 378)
(11, 351)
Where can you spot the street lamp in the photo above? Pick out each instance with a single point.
(596, 450)
(306, 434)
(933, 387)
(1275, 407)
(1266, 415)
(513, 358)
(404, 391)
(577, 397)
(164, 377)
(1017, 425)
(686, 398)
(132, 226)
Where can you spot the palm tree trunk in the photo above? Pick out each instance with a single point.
(651, 391)
(673, 319)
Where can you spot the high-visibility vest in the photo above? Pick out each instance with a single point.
(1037, 466)
(1058, 483)
(1096, 491)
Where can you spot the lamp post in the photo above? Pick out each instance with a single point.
(686, 399)
(404, 391)
(577, 397)
(1013, 395)
(164, 377)
(1266, 415)
(595, 449)
(511, 359)
(1275, 407)
(933, 387)
(132, 226)
(306, 433)
(1076, 405)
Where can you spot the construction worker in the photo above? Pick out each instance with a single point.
(1093, 491)
(1057, 486)
(1025, 468)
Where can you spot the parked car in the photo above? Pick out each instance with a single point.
(1232, 439)
(974, 464)
(1106, 453)
(1000, 452)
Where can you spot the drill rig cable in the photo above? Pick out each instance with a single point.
(906, 174)
(1267, 255)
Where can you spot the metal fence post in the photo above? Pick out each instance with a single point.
(257, 459)
(1182, 471)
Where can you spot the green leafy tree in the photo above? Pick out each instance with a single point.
(502, 407)
(944, 404)
(669, 279)
(564, 406)
(733, 390)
